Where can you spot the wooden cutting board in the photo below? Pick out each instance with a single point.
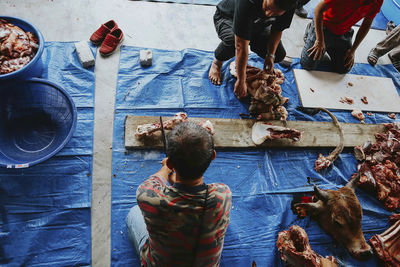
(236, 133)
(325, 89)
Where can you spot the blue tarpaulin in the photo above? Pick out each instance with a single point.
(45, 209)
(379, 22)
(263, 181)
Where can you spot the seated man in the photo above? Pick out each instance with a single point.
(187, 221)
(390, 44)
(331, 32)
(256, 22)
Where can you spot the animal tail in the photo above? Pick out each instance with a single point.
(339, 148)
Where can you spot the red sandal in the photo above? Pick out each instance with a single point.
(99, 35)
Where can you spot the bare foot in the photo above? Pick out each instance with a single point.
(215, 72)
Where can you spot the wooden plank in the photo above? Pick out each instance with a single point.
(236, 133)
(328, 88)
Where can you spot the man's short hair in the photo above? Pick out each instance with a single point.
(190, 149)
(286, 4)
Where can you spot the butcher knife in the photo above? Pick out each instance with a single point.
(164, 139)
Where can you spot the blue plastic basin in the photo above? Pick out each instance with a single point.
(391, 10)
(35, 67)
(37, 119)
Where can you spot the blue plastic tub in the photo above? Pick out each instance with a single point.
(35, 67)
(37, 119)
(391, 10)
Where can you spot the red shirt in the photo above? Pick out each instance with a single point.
(341, 15)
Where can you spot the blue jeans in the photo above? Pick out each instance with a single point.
(137, 231)
(336, 47)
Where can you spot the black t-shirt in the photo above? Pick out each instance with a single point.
(246, 13)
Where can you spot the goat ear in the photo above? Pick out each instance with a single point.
(321, 194)
(352, 184)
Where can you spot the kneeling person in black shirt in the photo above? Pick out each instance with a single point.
(258, 23)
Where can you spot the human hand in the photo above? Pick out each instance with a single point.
(317, 50)
(240, 89)
(269, 64)
(172, 177)
(349, 59)
(165, 166)
(167, 173)
(164, 162)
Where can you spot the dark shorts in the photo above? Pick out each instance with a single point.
(258, 43)
(335, 45)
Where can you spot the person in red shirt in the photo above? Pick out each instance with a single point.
(331, 32)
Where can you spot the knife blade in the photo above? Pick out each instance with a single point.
(164, 139)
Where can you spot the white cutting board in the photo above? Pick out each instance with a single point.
(328, 88)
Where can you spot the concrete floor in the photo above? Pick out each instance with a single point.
(145, 24)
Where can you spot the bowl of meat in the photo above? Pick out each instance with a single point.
(21, 48)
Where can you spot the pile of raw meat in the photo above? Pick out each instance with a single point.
(387, 244)
(296, 250)
(17, 47)
(147, 130)
(265, 90)
(379, 168)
